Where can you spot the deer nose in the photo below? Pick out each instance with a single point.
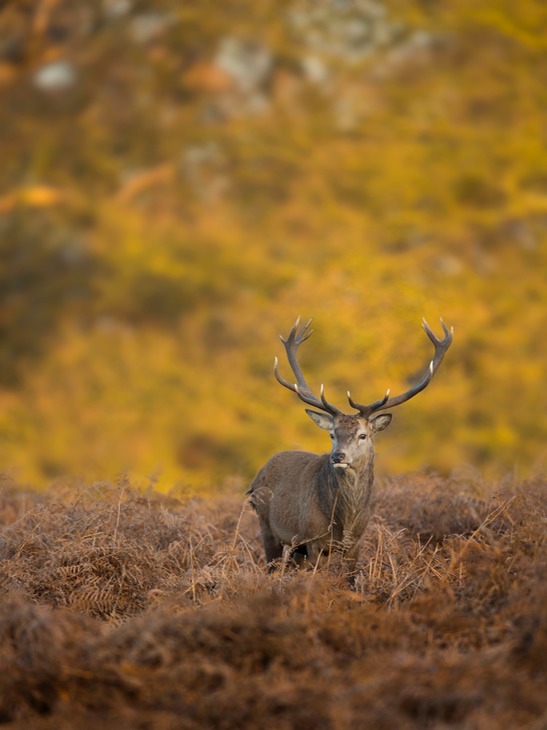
(337, 457)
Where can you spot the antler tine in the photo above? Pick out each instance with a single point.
(326, 405)
(441, 346)
(296, 337)
(367, 410)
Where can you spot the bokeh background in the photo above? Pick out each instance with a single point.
(181, 180)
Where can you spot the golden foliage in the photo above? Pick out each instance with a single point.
(161, 226)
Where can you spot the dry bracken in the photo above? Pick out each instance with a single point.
(137, 609)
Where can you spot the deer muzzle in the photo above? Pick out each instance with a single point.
(340, 460)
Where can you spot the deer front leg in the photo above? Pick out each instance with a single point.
(286, 557)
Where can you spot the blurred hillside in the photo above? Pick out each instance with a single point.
(181, 180)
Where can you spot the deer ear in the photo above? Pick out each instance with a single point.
(323, 420)
(380, 422)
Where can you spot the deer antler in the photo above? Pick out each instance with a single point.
(296, 337)
(441, 346)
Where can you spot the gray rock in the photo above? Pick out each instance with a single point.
(248, 64)
(55, 76)
(315, 69)
(148, 26)
(117, 8)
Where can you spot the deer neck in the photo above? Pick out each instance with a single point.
(347, 494)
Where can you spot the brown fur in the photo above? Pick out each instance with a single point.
(305, 501)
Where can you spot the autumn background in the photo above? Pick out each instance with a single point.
(181, 180)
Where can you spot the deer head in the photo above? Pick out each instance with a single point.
(352, 434)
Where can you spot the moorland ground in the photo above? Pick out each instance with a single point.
(140, 610)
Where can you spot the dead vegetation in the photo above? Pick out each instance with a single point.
(139, 610)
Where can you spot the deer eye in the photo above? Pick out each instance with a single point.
(331, 435)
(362, 436)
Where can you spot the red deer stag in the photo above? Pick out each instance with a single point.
(309, 503)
